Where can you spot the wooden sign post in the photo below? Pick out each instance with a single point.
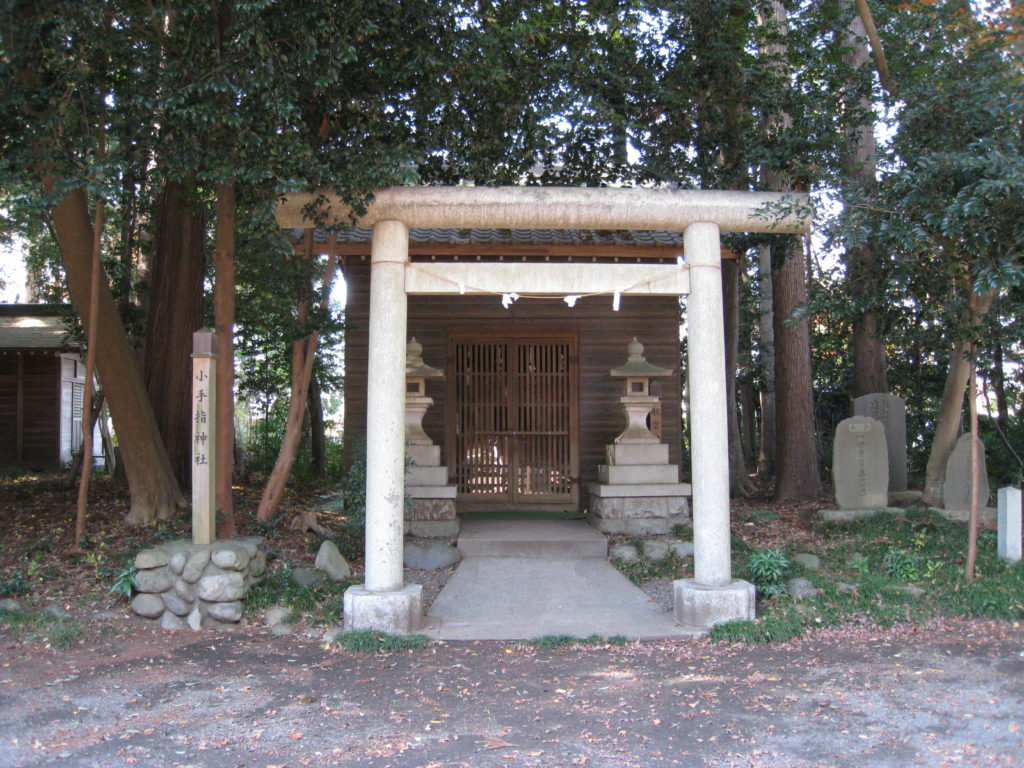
(204, 384)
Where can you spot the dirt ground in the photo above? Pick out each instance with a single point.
(948, 694)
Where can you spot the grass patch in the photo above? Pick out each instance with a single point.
(63, 634)
(885, 569)
(60, 634)
(567, 641)
(642, 570)
(321, 603)
(367, 641)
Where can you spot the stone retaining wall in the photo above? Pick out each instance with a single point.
(199, 586)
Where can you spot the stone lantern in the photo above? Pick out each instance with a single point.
(431, 511)
(416, 401)
(638, 491)
(638, 401)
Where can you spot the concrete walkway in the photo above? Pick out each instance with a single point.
(521, 580)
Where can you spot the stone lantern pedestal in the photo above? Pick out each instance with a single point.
(431, 511)
(638, 491)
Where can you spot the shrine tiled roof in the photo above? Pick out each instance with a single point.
(32, 326)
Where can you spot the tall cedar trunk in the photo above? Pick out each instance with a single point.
(175, 312)
(154, 491)
(766, 329)
(796, 456)
(224, 324)
(303, 354)
(947, 423)
(317, 428)
(739, 482)
(863, 275)
(796, 464)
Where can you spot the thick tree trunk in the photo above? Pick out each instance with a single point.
(175, 312)
(317, 428)
(224, 324)
(796, 456)
(947, 422)
(766, 328)
(303, 354)
(739, 481)
(154, 492)
(797, 475)
(863, 276)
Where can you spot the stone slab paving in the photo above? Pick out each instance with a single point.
(541, 578)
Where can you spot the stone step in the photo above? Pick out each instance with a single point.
(555, 539)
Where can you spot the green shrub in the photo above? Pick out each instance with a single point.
(767, 569)
(902, 564)
(124, 582)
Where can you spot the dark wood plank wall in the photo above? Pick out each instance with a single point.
(37, 377)
(602, 333)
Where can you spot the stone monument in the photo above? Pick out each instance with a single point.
(432, 508)
(638, 490)
(1008, 536)
(860, 464)
(891, 411)
(956, 491)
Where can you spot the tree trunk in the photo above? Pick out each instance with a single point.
(303, 354)
(154, 491)
(175, 312)
(947, 422)
(999, 386)
(748, 421)
(224, 324)
(797, 475)
(317, 428)
(739, 481)
(863, 276)
(766, 328)
(796, 455)
(972, 523)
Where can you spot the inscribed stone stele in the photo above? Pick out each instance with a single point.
(956, 491)
(892, 412)
(860, 464)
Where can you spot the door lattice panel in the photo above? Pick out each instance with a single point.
(514, 431)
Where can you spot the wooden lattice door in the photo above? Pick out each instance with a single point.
(512, 428)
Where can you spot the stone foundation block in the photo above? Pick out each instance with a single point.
(397, 613)
(703, 607)
(432, 529)
(632, 507)
(624, 454)
(431, 509)
(639, 526)
(637, 474)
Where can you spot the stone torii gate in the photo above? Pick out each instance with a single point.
(384, 602)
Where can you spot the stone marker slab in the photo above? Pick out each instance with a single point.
(860, 464)
(956, 491)
(1008, 537)
(891, 411)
